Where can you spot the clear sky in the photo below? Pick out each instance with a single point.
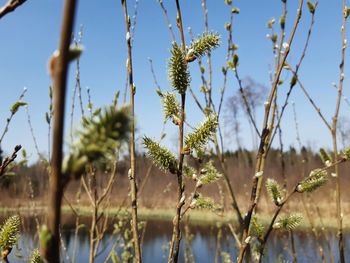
(30, 35)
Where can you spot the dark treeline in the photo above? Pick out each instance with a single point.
(156, 188)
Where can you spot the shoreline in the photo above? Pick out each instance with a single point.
(196, 217)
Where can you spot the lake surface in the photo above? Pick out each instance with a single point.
(204, 244)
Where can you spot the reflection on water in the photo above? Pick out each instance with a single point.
(203, 245)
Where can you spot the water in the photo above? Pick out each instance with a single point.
(203, 245)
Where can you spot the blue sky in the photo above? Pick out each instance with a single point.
(30, 35)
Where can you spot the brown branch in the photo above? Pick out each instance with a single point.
(210, 67)
(196, 100)
(109, 185)
(282, 157)
(87, 190)
(246, 104)
(176, 236)
(10, 6)
(229, 187)
(260, 164)
(318, 110)
(229, 52)
(270, 228)
(219, 151)
(334, 138)
(263, 240)
(295, 74)
(203, 79)
(165, 13)
(29, 121)
(296, 124)
(9, 160)
(59, 72)
(8, 120)
(235, 236)
(132, 174)
(75, 212)
(193, 196)
(154, 74)
(77, 88)
(279, 50)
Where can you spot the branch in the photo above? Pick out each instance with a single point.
(170, 27)
(334, 136)
(13, 112)
(109, 185)
(264, 140)
(318, 110)
(59, 71)
(10, 6)
(132, 172)
(176, 236)
(246, 104)
(295, 74)
(263, 240)
(9, 160)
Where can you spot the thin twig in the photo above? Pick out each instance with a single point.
(78, 85)
(219, 150)
(260, 164)
(8, 120)
(49, 116)
(9, 160)
(334, 137)
(229, 187)
(246, 104)
(318, 109)
(132, 173)
(176, 236)
(296, 126)
(210, 67)
(134, 20)
(90, 106)
(10, 6)
(282, 157)
(270, 228)
(153, 74)
(41, 157)
(295, 73)
(109, 185)
(263, 240)
(77, 221)
(204, 82)
(234, 234)
(346, 100)
(75, 212)
(64, 248)
(170, 27)
(87, 189)
(282, 34)
(229, 52)
(77, 88)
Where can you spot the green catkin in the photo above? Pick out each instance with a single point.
(179, 75)
(161, 156)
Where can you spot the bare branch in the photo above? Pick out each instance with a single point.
(132, 173)
(10, 6)
(9, 160)
(264, 140)
(59, 72)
